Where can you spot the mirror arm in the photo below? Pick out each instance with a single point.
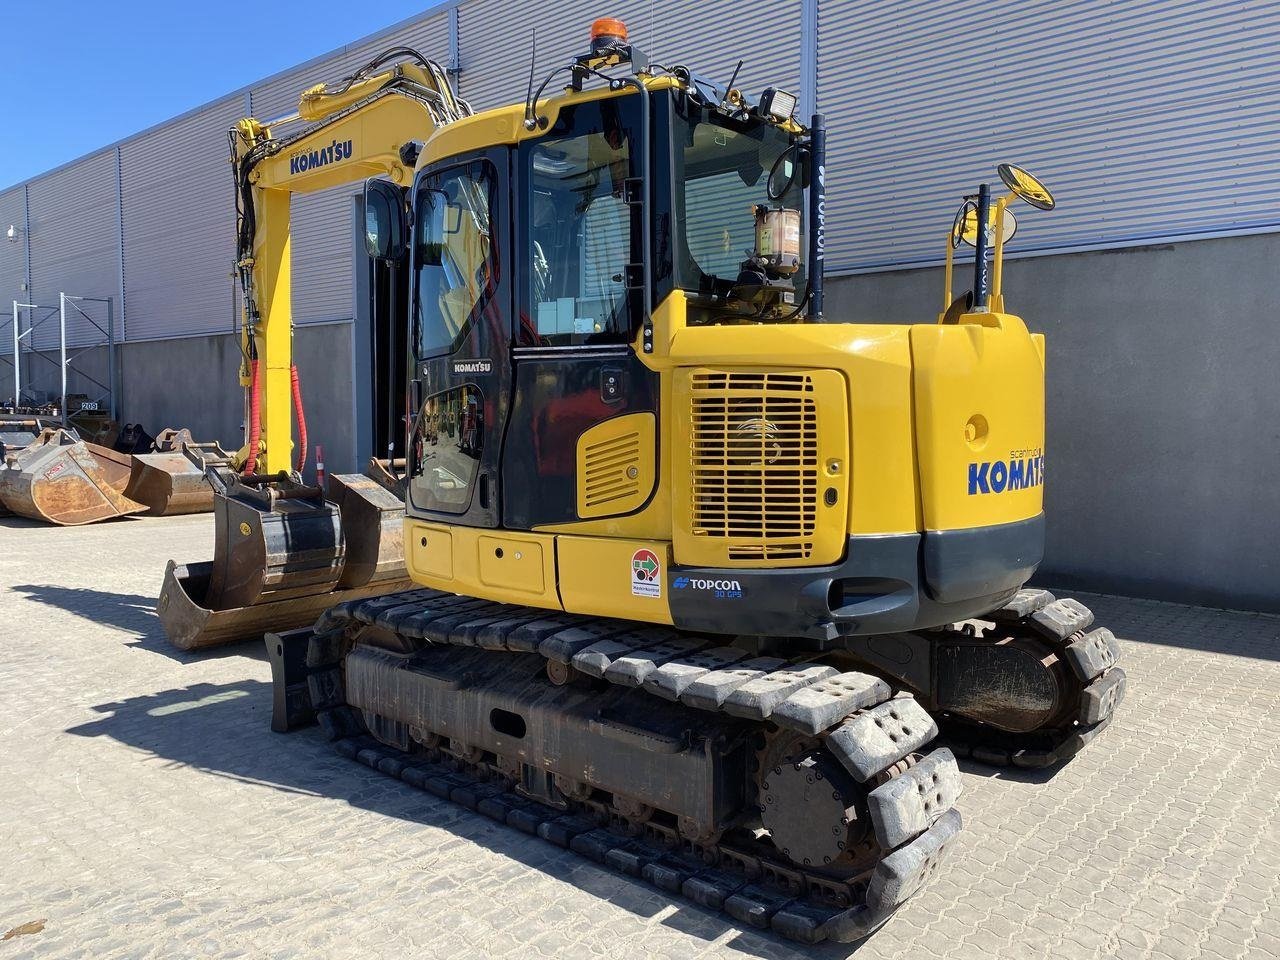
(997, 270)
(948, 279)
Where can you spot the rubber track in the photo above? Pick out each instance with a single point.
(1067, 627)
(746, 882)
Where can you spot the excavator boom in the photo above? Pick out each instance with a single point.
(284, 549)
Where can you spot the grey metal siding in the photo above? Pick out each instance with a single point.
(73, 244)
(179, 226)
(13, 266)
(321, 240)
(1148, 120)
(13, 256)
(708, 36)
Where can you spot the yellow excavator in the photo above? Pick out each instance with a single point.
(699, 572)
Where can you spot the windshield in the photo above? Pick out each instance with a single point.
(722, 168)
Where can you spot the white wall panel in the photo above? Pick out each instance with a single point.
(179, 226)
(1148, 120)
(73, 246)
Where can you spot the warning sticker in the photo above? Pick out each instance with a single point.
(646, 574)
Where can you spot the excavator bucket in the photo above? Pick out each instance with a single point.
(61, 479)
(15, 433)
(280, 555)
(172, 480)
(372, 508)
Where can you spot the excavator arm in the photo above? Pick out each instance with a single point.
(368, 125)
(285, 551)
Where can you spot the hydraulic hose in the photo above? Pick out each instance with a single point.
(301, 415)
(255, 417)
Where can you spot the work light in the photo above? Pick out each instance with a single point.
(777, 105)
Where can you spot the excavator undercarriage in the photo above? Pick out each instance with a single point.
(802, 793)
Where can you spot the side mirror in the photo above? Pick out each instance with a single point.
(791, 167)
(1026, 187)
(964, 228)
(384, 220)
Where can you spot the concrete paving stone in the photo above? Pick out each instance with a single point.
(155, 814)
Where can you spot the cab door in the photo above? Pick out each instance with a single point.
(459, 332)
(575, 370)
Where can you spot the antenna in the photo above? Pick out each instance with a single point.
(729, 88)
(529, 107)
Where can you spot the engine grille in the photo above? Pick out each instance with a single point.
(755, 463)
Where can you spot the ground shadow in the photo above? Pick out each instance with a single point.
(20, 523)
(131, 613)
(222, 730)
(1011, 774)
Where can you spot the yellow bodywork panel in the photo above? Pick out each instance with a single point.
(432, 555)
(979, 399)
(875, 362)
(492, 564)
(612, 578)
(615, 465)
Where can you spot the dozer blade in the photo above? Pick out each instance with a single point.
(173, 480)
(60, 479)
(279, 558)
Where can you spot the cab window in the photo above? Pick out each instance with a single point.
(579, 228)
(454, 259)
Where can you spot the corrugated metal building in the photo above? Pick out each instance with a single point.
(1154, 122)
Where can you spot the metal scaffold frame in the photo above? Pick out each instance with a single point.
(23, 344)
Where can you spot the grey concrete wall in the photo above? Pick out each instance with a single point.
(1163, 445)
(323, 355)
(194, 383)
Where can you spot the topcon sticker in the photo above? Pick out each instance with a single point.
(646, 574)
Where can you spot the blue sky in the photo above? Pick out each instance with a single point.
(75, 76)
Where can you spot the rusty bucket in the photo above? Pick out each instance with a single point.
(192, 625)
(173, 479)
(60, 479)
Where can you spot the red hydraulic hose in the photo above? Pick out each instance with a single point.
(301, 415)
(255, 418)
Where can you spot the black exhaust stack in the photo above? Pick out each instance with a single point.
(817, 212)
(981, 275)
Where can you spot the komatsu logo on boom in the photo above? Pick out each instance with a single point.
(1025, 468)
(320, 157)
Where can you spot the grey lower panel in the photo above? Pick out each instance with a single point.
(959, 564)
(885, 584)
